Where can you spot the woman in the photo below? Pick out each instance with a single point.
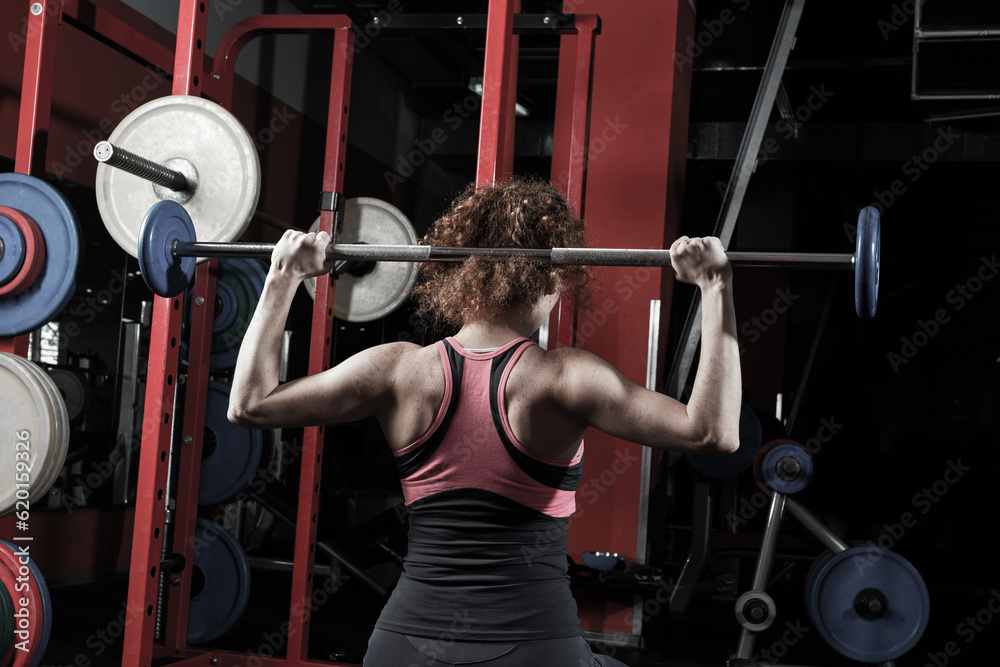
(487, 427)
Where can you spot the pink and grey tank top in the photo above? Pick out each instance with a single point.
(486, 556)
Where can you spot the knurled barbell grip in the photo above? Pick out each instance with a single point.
(119, 158)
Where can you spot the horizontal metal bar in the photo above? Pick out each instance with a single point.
(956, 33)
(955, 96)
(524, 24)
(581, 256)
(792, 260)
(281, 565)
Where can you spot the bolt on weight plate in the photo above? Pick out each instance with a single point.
(61, 434)
(47, 474)
(36, 592)
(163, 224)
(384, 289)
(239, 284)
(29, 420)
(56, 260)
(12, 249)
(867, 256)
(6, 622)
(784, 466)
(867, 603)
(230, 453)
(180, 128)
(222, 574)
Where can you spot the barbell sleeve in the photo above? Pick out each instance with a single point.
(581, 256)
(119, 158)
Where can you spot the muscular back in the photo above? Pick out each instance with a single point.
(538, 420)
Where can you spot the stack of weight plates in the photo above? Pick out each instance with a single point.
(35, 437)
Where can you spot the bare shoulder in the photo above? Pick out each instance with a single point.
(406, 365)
(578, 380)
(566, 371)
(572, 362)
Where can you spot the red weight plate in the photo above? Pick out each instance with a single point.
(34, 253)
(12, 578)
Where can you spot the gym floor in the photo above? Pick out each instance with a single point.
(89, 619)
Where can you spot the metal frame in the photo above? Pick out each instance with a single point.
(32, 135)
(575, 89)
(150, 539)
(498, 126)
(922, 34)
(690, 338)
(739, 180)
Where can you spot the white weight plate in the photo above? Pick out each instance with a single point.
(206, 135)
(45, 472)
(72, 388)
(382, 291)
(24, 406)
(45, 476)
(61, 432)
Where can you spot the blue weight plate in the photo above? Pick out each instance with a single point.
(246, 278)
(230, 453)
(43, 589)
(238, 288)
(225, 571)
(835, 583)
(729, 465)
(782, 450)
(6, 620)
(225, 306)
(12, 250)
(165, 222)
(867, 254)
(45, 299)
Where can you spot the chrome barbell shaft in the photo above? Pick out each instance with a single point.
(119, 158)
(582, 256)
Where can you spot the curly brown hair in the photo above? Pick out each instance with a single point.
(514, 213)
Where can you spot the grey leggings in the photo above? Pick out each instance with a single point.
(391, 649)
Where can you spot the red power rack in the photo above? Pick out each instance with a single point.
(190, 78)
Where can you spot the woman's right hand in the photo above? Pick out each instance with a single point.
(299, 255)
(700, 261)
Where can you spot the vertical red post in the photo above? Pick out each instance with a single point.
(496, 124)
(189, 455)
(569, 144)
(36, 87)
(634, 188)
(319, 354)
(147, 540)
(35, 111)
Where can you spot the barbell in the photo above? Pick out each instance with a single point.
(193, 153)
(168, 248)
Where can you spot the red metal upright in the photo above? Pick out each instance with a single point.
(189, 455)
(319, 352)
(634, 188)
(35, 111)
(496, 124)
(569, 144)
(36, 88)
(157, 427)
